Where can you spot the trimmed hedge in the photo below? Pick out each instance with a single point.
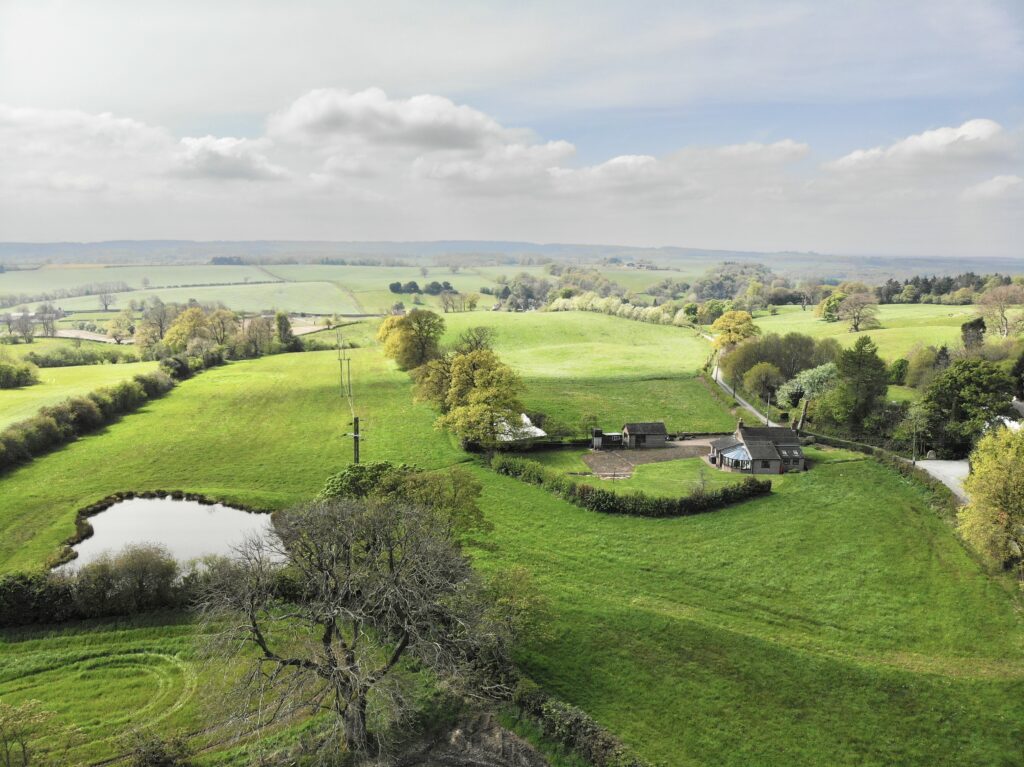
(14, 375)
(635, 504)
(573, 727)
(58, 424)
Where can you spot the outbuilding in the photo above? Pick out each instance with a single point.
(645, 434)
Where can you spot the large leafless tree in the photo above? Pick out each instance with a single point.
(860, 310)
(325, 613)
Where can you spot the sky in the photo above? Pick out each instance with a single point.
(872, 128)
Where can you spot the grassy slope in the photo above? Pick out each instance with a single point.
(322, 297)
(264, 432)
(902, 326)
(836, 622)
(576, 364)
(57, 384)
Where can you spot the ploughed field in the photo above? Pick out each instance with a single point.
(837, 621)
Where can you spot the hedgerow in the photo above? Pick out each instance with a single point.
(636, 504)
(58, 424)
(573, 727)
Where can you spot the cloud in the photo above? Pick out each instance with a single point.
(996, 188)
(328, 116)
(210, 157)
(974, 139)
(361, 165)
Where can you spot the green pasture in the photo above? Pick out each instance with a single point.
(318, 297)
(43, 344)
(902, 326)
(64, 277)
(578, 365)
(57, 384)
(837, 621)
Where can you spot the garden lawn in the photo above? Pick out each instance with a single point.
(582, 366)
(902, 326)
(57, 384)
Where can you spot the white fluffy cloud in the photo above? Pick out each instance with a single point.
(330, 116)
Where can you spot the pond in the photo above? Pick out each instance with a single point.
(188, 529)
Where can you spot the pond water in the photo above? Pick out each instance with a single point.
(188, 529)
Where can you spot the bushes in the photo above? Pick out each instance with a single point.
(16, 374)
(136, 580)
(634, 504)
(66, 356)
(573, 727)
(58, 424)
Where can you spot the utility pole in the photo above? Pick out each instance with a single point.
(355, 439)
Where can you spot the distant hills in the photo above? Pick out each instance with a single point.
(469, 252)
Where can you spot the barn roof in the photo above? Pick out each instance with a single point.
(646, 427)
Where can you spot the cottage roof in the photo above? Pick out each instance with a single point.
(780, 435)
(762, 451)
(646, 427)
(724, 443)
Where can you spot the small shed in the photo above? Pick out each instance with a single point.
(646, 434)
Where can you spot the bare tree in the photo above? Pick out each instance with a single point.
(47, 315)
(106, 300)
(447, 301)
(223, 325)
(159, 316)
(22, 726)
(996, 305)
(259, 335)
(860, 310)
(25, 326)
(369, 585)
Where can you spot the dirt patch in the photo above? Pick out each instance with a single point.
(619, 464)
(479, 742)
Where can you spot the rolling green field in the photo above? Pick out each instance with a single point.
(44, 344)
(902, 326)
(57, 384)
(576, 365)
(837, 621)
(49, 278)
(317, 297)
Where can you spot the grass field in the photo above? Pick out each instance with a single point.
(317, 297)
(57, 384)
(49, 278)
(902, 326)
(576, 365)
(43, 344)
(836, 622)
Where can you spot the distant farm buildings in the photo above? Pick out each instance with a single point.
(759, 450)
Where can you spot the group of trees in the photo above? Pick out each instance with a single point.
(957, 289)
(475, 392)
(433, 288)
(202, 332)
